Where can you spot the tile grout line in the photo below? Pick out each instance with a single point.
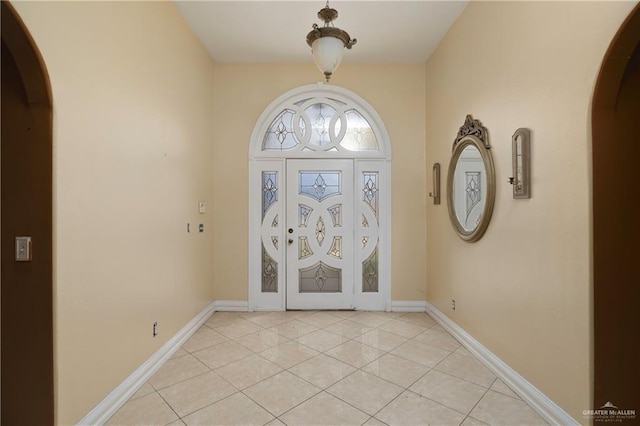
(478, 402)
(354, 339)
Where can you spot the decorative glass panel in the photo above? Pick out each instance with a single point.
(474, 190)
(365, 240)
(320, 278)
(359, 135)
(269, 190)
(320, 185)
(365, 222)
(370, 190)
(336, 214)
(274, 224)
(320, 116)
(280, 136)
(320, 231)
(274, 240)
(304, 250)
(336, 248)
(269, 273)
(303, 215)
(319, 123)
(370, 273)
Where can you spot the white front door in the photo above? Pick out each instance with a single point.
(320, 235)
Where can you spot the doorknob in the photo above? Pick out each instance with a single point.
(290, 241)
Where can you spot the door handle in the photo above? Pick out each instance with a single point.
(290, 241)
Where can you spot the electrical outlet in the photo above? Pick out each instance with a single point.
(155, 329)
(453, 304)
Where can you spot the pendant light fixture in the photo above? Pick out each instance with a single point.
(327, 43)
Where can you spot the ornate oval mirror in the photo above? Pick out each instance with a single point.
(471, 182)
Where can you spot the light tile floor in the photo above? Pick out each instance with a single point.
(324, 368)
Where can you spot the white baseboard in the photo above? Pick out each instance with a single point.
(120, 395)
(408, 306)
(548, 409)
(231, 305)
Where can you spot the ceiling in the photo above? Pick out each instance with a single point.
(275, 31)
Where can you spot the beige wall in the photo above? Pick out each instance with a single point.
(525, 289)
(242, 92)
(133, 120)
(145, 126)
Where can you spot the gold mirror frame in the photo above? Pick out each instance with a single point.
(472, 133)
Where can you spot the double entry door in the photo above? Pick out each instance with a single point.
(320, 234)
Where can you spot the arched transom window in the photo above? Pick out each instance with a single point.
(320, 125)
(320, 120)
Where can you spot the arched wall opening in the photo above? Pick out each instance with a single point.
(616, 235)
(27, 294)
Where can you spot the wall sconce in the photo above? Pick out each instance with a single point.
(520, 152)
(436, 184)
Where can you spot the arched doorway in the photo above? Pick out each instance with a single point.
(616, 234)
(319, 203)
(27, 302)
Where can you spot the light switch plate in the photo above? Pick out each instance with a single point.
(23, 249)
(202, 207)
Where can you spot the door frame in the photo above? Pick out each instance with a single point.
(261, 160)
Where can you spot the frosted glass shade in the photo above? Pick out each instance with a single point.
(327, 52)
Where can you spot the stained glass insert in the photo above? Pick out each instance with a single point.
(269, 273)
(365, 222)
(473, 189)
(274, 224)
(274, 241)
(269, 190)
(336, 248)
(336, 214)
(320, 116)
(303, 215)
(320, 231)
(370, 190)
(359, 135)
(280, 135)
(304, 250)
(370, 273)
(319, 185)
(320, 278)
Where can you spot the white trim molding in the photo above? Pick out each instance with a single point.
(125, 390)
(408, 306)
(231, 305)
(544, 406)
